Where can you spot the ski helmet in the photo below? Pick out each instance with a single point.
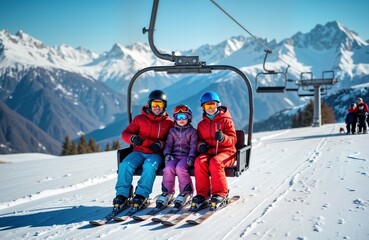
(157, 94)
(209, 96)
(183, 109)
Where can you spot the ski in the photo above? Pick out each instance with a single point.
(133, 211)
(209, 213)
(151, 213)
(110, 216)
(169, 214)
(182, 217)
(166, 216)
(176, 220)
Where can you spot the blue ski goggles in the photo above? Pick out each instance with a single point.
(180, 116)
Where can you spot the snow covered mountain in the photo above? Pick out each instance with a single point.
(328, 47)
(306, 183)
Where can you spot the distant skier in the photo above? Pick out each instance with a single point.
(217, 139)
(179, 154)
(147, 132)
(362, 113)
(351, 119)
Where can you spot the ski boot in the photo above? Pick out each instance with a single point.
(119, 201)
(198, 202)
(164, 200)
(181, 200)
(218, 201)
(139, 201)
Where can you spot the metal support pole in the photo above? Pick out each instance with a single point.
(317, 118)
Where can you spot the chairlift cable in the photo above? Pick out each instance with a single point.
(262, 44)
(239, 24)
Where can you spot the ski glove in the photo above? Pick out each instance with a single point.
(136, 140)
(155, 147)
(219, 136)
(190, 161)
(203, 147)
(168, 158)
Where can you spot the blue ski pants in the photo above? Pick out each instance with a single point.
(150, 164)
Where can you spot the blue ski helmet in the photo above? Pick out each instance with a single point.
(209, 96)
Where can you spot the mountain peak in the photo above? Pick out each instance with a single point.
(332, 34)
(117, 51)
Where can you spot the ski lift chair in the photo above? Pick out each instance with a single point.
(243, 149)
(268, 74)
(185, 65)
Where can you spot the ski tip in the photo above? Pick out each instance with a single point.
(167, 223)
(156, 219)
(96, 223)
(192, 222)
(138, 218)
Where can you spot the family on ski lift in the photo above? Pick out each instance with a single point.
(357, 117)
(156, 138)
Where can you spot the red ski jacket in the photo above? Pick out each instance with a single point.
(150, 128)
(207, 128)
(362, 108)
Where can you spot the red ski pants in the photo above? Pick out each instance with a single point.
(216, 182)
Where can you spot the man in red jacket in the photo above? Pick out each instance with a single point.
(147, 133)
(217, 139)
(362, 113)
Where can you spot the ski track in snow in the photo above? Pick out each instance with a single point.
(288, 183)
(353, 156)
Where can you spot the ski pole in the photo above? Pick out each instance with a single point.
(216, 146)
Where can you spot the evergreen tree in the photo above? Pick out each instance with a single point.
(304, 118)
(93, 146)
(73, 149)
(107, 147)
(66, 147)
(83, 145)
(116, 145)
(327, 114)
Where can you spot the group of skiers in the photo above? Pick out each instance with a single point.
(156, 138)
(357, 117)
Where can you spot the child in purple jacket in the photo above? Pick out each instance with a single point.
(179, 155)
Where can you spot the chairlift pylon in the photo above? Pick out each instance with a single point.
(191, 64)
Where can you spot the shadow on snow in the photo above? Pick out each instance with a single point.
(51, 216)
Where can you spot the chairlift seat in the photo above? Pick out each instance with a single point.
(292, 89)
(241, 163)
(270, 89)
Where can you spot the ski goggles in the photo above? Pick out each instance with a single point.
(180, 116)
(181, 108)
(210, 105)
(159, 104)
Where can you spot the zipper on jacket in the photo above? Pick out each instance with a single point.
(159, 131)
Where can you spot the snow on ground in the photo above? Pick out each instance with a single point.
(307, 183)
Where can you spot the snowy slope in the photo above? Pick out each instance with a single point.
(308, 183)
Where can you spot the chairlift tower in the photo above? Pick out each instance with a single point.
(320, 86)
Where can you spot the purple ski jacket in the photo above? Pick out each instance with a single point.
(181, 141)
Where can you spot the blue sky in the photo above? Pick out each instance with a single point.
(181, 24)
